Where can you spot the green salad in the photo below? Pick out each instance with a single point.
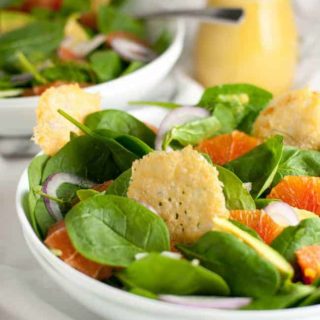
(50, 43)
(198, 212)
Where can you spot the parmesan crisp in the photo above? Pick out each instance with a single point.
(183, 188)
(52, 131)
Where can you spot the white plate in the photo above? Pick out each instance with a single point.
(17, 115)
(114, 304)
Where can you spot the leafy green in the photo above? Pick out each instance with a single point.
(298, 162)
(69, 72)
(313, 298)
(236, 195)
(306, 233)
(192, 132)
(133, 66)
(143, 293)
(162, 42)
(42, 217)
(135, 145)
(244, 270)
(111, 19)
(35, 170)
(160, 274)
(119, 186)
(106, 64)
(235, 105)
(287, 297)
(84, 194)
(162, 104)
(262, 203)
(122, 123)
(111, 230)
(41, 37)
(259, 165)
(247, 229)
(86, 157)
(71, 6)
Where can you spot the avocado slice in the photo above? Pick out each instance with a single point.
(11, 20)
(261, 248)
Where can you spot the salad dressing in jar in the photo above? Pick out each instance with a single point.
(261, 50)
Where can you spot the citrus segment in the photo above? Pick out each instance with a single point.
(309, 261)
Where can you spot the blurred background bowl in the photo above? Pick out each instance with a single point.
(17, 115)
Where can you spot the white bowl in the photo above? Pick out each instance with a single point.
(17, 115)
(115, 304)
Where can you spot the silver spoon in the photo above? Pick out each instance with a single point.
(226, 15)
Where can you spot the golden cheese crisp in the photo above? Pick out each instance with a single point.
(183, 188)
(295, 116)
(52, 131)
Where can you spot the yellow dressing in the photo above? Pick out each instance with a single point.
(262, 50)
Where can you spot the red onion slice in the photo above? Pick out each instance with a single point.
(82, 49)
(282, 213)
(207, 302)
(129, 47)
(52, 184)
(177, 117)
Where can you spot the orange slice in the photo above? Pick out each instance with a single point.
(299, 192)
(309, 261)
(259, 221)
(58, 240)
(227, 147)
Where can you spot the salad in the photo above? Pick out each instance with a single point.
(213, 209)
(50, 43)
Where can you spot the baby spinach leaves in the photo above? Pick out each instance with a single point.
(260, 165)
(236, 195)
(298, 162)
(287, 297)
(119, 186)
(293, 238)
(111, 230)
(192, 132)
(235, 105)
(244, 270)
(106, 64)
(164, 275)
(122, 123)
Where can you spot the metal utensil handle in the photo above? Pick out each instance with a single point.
(231, 15)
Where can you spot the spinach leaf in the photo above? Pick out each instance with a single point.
(262, 203)
(143, 293)
(192, 132)
(160, 274)
(235, 105)
(133, 144)
(84, 194)
(298, 162)
(42, 217)
(111, 230)
(122, 123)
(287, 297)
(133, 66)
(71, 6)
(106, 64)
(119, 186)
(313, 298)
(35, 170)
(162, 104)
(244, 270)
(162, 42)
(39, 37)
(236, 195)
(259, 165)
(69, 72)
(86, 157)
(111, 19)
(306, 233)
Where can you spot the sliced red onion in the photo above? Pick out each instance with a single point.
(172, 255)
(207, 302)
(141, 255)
(82, 49)
(130, 48)
(177, 117)
(282, 213)
(52, 184)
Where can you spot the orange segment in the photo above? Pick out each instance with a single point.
(259, 221)
(299, 192)
(58, 239)
(227, 147)
(309, 261)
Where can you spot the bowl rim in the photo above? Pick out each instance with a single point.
(179, 31)
(122, 297)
